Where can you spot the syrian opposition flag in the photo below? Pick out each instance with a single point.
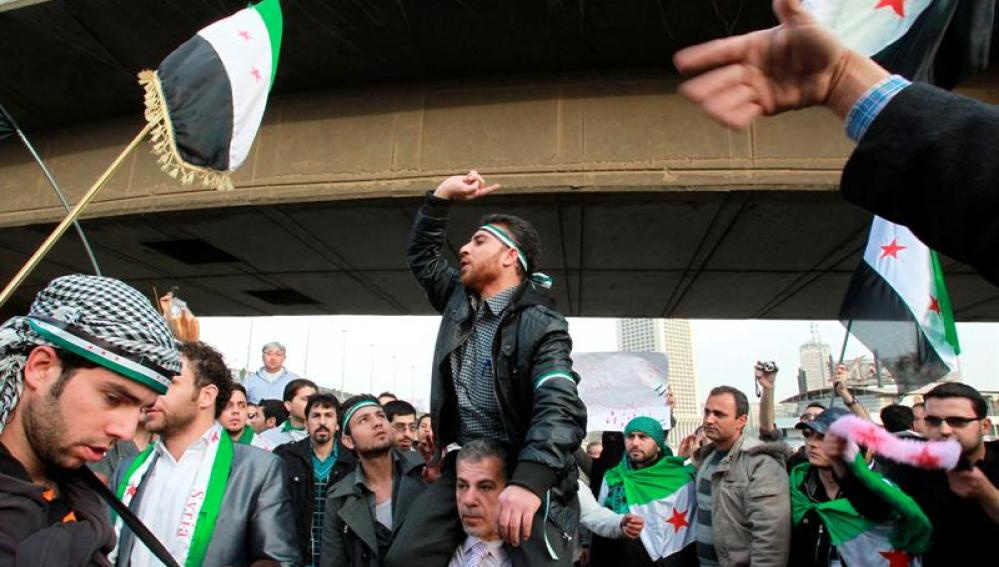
(665, 496)
(897, 305)
(207, 98)
(859, 541)
(935, 41)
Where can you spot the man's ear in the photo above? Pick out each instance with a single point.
(287, 407)
(208, 395)
(347, 441)
(42, 366)
(986, 426)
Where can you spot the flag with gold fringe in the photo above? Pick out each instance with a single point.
(207, 98)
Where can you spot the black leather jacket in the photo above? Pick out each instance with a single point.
(544, 419)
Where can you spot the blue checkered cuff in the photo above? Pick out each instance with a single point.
(868, 106)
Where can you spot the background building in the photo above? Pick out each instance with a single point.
(673, 337)
(815, 363)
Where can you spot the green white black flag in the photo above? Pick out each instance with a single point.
(207, 98)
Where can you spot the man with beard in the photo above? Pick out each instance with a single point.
(501, 371)
(365, 510)
(75, 374)
(234, 420)
(962, 504)
(651, 484)
(313, 465)
(296, 394)
(210, 501)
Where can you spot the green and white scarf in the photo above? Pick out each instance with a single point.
(859, 541)
(663, 493)
(205, 495)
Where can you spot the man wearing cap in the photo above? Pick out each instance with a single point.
(650, 484)
(208, 500)
(366, 510)
(501, 371)
(828, 529)
(75, 374)
(269, 381)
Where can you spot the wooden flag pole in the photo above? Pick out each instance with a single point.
(46, 246)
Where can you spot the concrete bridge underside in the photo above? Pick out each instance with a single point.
(645, 208)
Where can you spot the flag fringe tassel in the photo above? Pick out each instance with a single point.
(164, 145)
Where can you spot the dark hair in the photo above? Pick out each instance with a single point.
(525, 235)
(741, 401)
(209, 369)
(958, 390)
(349, 405)
(396, 408)
(70, 363)
(896, 418)
(816, 405)
(483, 448)
(236, 387)
(419, 421)
(323, 401)
(291, 390)
(275, 409)
(388, 394)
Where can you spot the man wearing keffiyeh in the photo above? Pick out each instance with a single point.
(75, 374)
(501, 371)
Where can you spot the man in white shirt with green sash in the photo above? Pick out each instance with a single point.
(209, 501)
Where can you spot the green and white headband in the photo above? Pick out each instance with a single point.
(350, 413)
(544, 280)
(75, 340)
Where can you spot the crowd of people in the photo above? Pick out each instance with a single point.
(121, 445)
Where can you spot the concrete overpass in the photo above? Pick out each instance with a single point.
(644, 207)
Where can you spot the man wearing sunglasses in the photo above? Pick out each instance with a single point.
(963, 504)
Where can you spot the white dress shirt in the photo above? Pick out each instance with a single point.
(167, 485)
(497, 555)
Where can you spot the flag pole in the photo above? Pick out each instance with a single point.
(842, 354)
(46, 246)
(55, 186)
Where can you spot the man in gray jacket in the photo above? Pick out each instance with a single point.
(743, 502)
(210, 501)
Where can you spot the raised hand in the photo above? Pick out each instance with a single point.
(766, 379)
(796, 64)
(464, 187)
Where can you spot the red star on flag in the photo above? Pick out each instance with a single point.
(897, 5)
(892, 249)
(679, 520)
(244, 34)
(934, 305)
(896, 558)
(131, 490)
(256, 73)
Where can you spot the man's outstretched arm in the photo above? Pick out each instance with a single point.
(794, 65)
(425, 249)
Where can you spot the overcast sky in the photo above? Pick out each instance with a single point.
(366, 353)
